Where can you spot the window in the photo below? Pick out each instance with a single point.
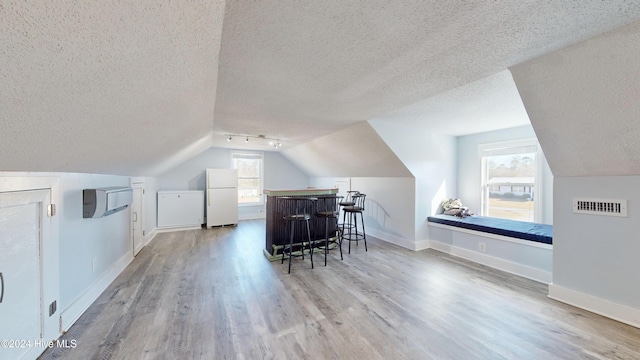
(250, 181)
(510, 180)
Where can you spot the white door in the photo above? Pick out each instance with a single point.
(24, 226)
(137, 225)
(343, 185)
(222, 207)
(222, 178)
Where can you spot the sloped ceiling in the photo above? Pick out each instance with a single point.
(298, 70)
(106, 86)
(491, 103)
(357, 151)
(584, 104)
(133, 88)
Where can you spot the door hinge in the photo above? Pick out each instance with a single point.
(142, 191)
(51, 210)
(143, 233)
(53, 307)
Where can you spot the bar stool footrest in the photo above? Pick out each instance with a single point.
(353, 237)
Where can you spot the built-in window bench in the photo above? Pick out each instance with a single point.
(519, 247)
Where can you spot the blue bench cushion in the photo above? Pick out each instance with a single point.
(542, 233)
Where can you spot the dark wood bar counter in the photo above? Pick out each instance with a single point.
(276, 232)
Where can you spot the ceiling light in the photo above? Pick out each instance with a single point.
(273, 142)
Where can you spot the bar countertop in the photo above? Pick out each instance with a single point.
(300, 192)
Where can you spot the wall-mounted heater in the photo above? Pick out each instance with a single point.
(105, 201)
(609, 207)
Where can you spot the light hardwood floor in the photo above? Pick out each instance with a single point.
(211, 294)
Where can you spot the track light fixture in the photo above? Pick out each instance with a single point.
(275, 143)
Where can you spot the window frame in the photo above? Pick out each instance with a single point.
(538, 184)
(250, 155)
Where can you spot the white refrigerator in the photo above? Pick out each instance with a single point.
(222, 197)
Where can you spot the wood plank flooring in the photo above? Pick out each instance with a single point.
(211, 294)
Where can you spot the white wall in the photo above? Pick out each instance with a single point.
(389, 206)
(425, 173)
(431, 158)
(107, 239)
(469, 169)
(190, 175)
(525, 258)
(595, 258)
(279, 173)
(598, 255)
(152, 185)
(582, 102)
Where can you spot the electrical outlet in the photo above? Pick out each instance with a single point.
(482, 246)
(94, 263)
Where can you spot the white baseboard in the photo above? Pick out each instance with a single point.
(73, 312)
(152, 234)
(422, 245)
(494, 262)
(622, 313)
(35, 351)
(393, 239)
(480, 258)
(178, 228)
(253, 216)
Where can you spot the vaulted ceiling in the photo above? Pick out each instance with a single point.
(134, 88)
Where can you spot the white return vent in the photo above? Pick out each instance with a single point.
(609, 207)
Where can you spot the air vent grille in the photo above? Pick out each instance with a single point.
(609, 207)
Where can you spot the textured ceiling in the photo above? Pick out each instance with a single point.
(491, 103)
(132, 88)
(583, 103)
(299, 70)
(357, 151)
(106, 86)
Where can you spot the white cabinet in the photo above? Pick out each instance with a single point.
(180, 209)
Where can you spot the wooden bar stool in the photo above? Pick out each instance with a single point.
(297, 211)
(328, 208)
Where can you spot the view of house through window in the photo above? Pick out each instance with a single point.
(509, 180)
(249, 177)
